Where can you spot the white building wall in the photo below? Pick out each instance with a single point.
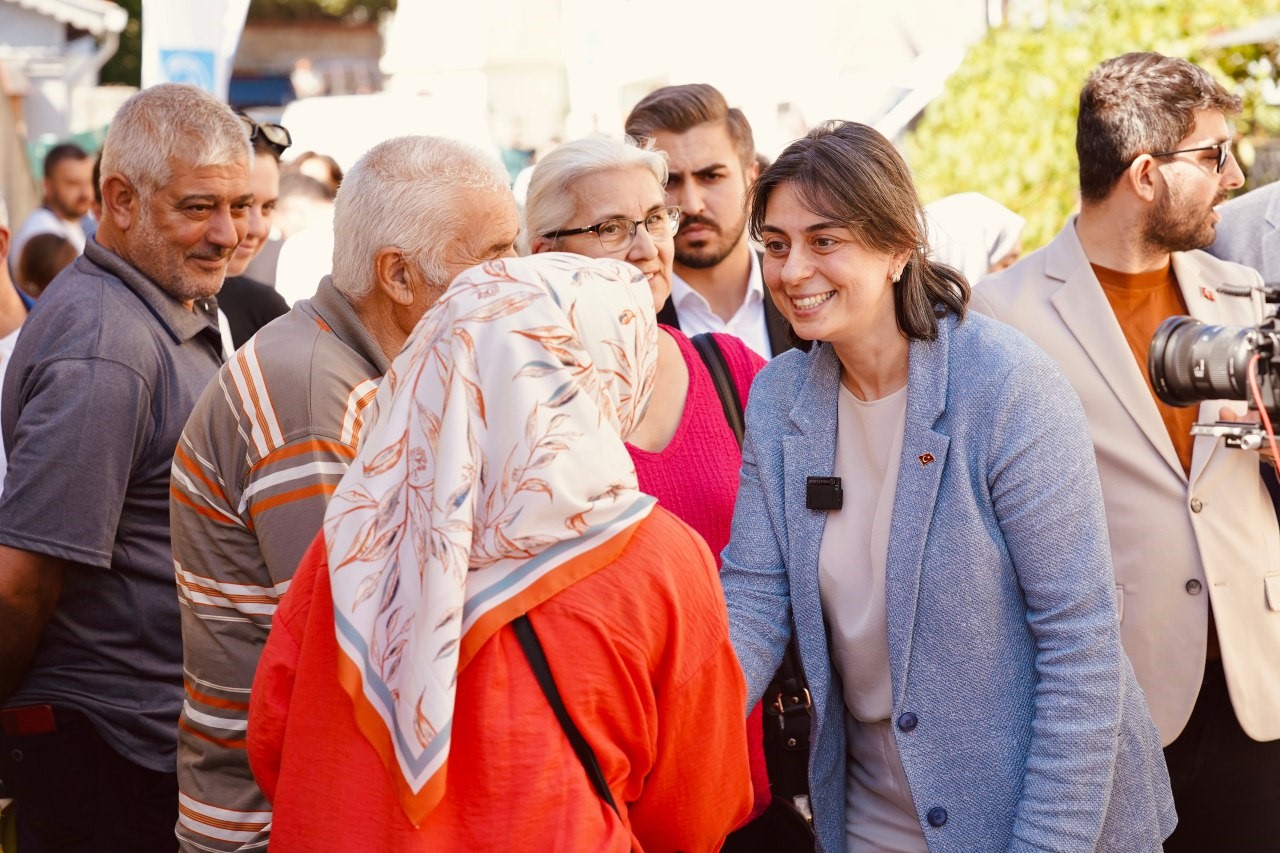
(22, 28)
(570, 67)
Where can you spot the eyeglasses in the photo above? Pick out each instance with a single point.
(275, 135)
(618, 234)
(1223, 148)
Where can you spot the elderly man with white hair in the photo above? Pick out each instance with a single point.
(109, 364)
(268, 442)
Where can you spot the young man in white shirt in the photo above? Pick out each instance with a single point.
(68, 194)
(712, 161)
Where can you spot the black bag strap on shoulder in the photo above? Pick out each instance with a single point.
(538, 663)
(787, 705)
(713, 358)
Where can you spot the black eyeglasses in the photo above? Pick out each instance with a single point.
(275, 135)
(1223, 148)
(619, 233)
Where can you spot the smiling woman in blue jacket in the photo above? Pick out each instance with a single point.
(953, 601)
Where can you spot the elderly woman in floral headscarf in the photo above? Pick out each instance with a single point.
(395, 708)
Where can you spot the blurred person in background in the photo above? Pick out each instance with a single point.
(603, 198)
(396, 706)
(95, 207)
(271, 436)
(953, 602)
(114, 356)
(711, 160)
(974, 234)
(68, 197)
(1193, 533)
(13, 310)
(44, 256)
(305, 253)
(302, 202)
(247, 304)
(321, 167)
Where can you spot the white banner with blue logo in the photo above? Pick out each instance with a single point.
(191, 41)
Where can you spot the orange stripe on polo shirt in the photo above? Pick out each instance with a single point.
(196, 470)
(212, 820)
(200, 509)
(326, 489)
(213, 701)
(252, 389)
(228, 743)
(220, 823)
(314, 445)
(358, 425)
(234, 598)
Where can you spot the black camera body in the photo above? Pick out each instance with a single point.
(1190, 362)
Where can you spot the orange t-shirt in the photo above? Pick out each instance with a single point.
(1141, 302)
(640, 653)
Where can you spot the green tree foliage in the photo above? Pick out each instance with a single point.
(1005, 124)
(275, 10)
(126, 66)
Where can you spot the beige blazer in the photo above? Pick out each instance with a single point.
(1177, 542)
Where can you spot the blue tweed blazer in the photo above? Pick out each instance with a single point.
(1024, 727)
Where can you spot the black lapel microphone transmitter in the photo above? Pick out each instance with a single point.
(823, 493)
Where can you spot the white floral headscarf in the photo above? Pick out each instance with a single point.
(493, 477)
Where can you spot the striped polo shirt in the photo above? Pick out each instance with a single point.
(263, 451)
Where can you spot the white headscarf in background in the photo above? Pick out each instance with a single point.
(493, 477)
(971, 232)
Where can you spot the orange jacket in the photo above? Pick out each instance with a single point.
(640, 652)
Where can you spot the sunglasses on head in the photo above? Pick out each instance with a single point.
(277, 136)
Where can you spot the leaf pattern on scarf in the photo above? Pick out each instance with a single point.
(497, 436)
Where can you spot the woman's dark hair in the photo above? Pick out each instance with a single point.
(848, 172)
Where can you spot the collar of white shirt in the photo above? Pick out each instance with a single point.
(747, 323)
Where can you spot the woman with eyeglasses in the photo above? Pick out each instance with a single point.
(604, 198)
(920, 506)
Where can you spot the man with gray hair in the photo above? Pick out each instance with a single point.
(111, 360)
(271, 437)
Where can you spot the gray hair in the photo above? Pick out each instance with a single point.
(168, 121)
(407, 192)
(4, 213)
(552, 200)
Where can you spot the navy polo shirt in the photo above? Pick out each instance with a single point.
(103, 377)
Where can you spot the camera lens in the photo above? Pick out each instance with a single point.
(1190, 361)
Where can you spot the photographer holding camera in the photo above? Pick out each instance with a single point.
(1193, 536)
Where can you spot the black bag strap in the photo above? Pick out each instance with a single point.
(787, 697)
(714, 359)
(538, 663)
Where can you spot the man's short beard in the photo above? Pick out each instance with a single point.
(1170, 229)
(706, 257)
(168, 275)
